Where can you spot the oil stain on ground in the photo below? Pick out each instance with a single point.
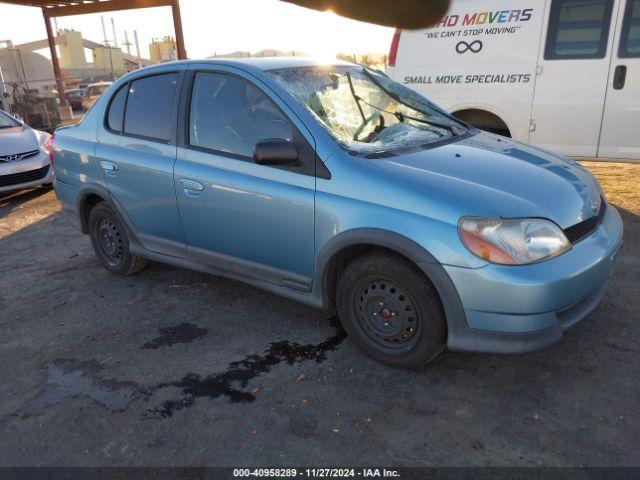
(72, 378)
(233, 382)
(183, 333)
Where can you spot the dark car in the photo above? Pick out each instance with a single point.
(75, 97)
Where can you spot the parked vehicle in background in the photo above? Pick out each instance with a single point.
(93, 92)
(24, 155)
(337, 187)
(561, 74)
(75, 98)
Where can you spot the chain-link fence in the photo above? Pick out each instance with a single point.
(36, 110)
(37, 102)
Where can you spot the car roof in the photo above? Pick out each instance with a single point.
(273, 63)
(270, 63)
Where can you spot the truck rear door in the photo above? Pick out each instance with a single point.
(572, 76)
(620, 136)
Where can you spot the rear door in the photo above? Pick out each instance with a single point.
(572, 76)
(136, 151)
(620, 137)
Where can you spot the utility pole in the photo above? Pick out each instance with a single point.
(135, 38)
(127, 43)
(106, 43)
(113, 27)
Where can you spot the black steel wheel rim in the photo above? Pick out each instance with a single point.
(387, 315)
(110, 241)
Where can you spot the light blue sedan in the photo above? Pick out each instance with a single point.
(336, 187)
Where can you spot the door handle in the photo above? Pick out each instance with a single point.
(109, 168)
(619, 77)
(191, 185)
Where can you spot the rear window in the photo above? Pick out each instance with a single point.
(630, 37)
(149, 106)
(578, 29)
(115, 117)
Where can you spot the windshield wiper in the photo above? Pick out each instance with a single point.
(356, 97)
(402, 117)
(450, 127)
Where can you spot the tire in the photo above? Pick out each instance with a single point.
(111, 243)
(391, 311)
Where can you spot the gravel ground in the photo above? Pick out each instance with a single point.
(172, 367)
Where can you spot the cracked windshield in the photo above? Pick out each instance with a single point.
(365, 111)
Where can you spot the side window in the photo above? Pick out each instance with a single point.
(115, 117)
(630, 35)
(149, 106)
(578, 29)
(230, 114)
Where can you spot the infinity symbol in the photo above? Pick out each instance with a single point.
(474, 46)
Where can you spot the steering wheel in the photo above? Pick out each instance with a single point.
(363, 125)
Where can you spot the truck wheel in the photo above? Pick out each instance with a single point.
(110, 242)
(391, 311)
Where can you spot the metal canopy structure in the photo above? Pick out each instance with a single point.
(63, 8)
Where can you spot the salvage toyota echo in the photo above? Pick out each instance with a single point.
(334, 186)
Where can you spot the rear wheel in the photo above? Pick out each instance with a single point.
(110, 242)
(391, 310)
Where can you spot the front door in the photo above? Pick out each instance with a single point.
(572, 76)
(237, 215)
(620, 137)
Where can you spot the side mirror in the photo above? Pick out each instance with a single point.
(275, 151)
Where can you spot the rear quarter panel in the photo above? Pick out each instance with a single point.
(74, 162)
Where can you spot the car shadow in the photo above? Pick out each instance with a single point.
(9, 201)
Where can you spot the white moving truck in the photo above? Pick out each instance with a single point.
(561, 74)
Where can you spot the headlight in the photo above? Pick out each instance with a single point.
(512, 241)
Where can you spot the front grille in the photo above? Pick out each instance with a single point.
(23, 177)
(18, 156)
(577, 232)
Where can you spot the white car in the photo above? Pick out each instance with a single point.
(560, 74)
(25, 155)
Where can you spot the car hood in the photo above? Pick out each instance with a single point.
(18, 140)
(492, 175)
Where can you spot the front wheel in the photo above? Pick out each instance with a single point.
(110, 242)
(390, 310)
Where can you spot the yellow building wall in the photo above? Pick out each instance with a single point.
(163, 50)
(71, 49)
(102, 61)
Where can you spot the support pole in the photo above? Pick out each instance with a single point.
(177, 26)
(135, 37)
(54, 58)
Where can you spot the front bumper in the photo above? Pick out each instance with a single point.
(512, 309)
(30, 172)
